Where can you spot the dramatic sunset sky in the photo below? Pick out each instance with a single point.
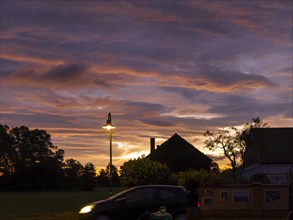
(160, 67)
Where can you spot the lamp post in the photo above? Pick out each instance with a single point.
(110, 127)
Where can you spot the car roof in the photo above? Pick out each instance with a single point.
(157, 186)
(148, 186)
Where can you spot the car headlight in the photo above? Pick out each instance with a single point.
(86, 209)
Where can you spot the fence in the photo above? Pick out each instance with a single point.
(245, 200)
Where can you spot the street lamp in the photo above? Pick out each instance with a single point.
(110, 127)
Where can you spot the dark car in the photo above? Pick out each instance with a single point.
(132, 203)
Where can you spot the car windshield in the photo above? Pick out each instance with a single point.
(119, 194)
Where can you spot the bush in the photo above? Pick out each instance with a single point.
(142, 171)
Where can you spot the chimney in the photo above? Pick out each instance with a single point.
(152, 145)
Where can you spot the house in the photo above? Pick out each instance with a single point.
(179, 155)
(273, 157)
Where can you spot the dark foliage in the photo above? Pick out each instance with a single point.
(88, 177)
(143, 171)
(259, 178)
(103, 178)
(30, 161)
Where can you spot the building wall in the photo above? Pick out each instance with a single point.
(276, 173)
(245, 199)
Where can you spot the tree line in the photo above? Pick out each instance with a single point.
(30, 161)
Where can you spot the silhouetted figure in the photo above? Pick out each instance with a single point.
(193, 212)
(290, 212)
(162, 214)
(290, 215)
(192, 199)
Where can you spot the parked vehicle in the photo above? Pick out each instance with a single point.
(132, 203)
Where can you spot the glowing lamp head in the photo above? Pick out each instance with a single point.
(108, 127)
(108, 124)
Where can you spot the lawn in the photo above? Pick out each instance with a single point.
(47, 205)
(53, 205)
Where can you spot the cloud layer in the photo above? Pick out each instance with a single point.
(158, 67)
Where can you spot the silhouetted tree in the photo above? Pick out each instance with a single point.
(6, 151)
(234, 141)
(73, 171)
(88, 177)
(115, 176)
(103, 178)
(225, 140)
(29, 159)
(246, 137)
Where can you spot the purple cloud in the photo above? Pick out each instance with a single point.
(159, 67)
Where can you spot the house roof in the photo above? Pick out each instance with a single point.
(180, 155)
(278, 147)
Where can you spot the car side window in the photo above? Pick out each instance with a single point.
(165, 194)
(141, 194)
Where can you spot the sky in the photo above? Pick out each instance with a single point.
(159, 67)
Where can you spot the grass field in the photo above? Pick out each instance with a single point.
(53, 205)
(47, 205)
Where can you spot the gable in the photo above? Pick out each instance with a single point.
(179, 155)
